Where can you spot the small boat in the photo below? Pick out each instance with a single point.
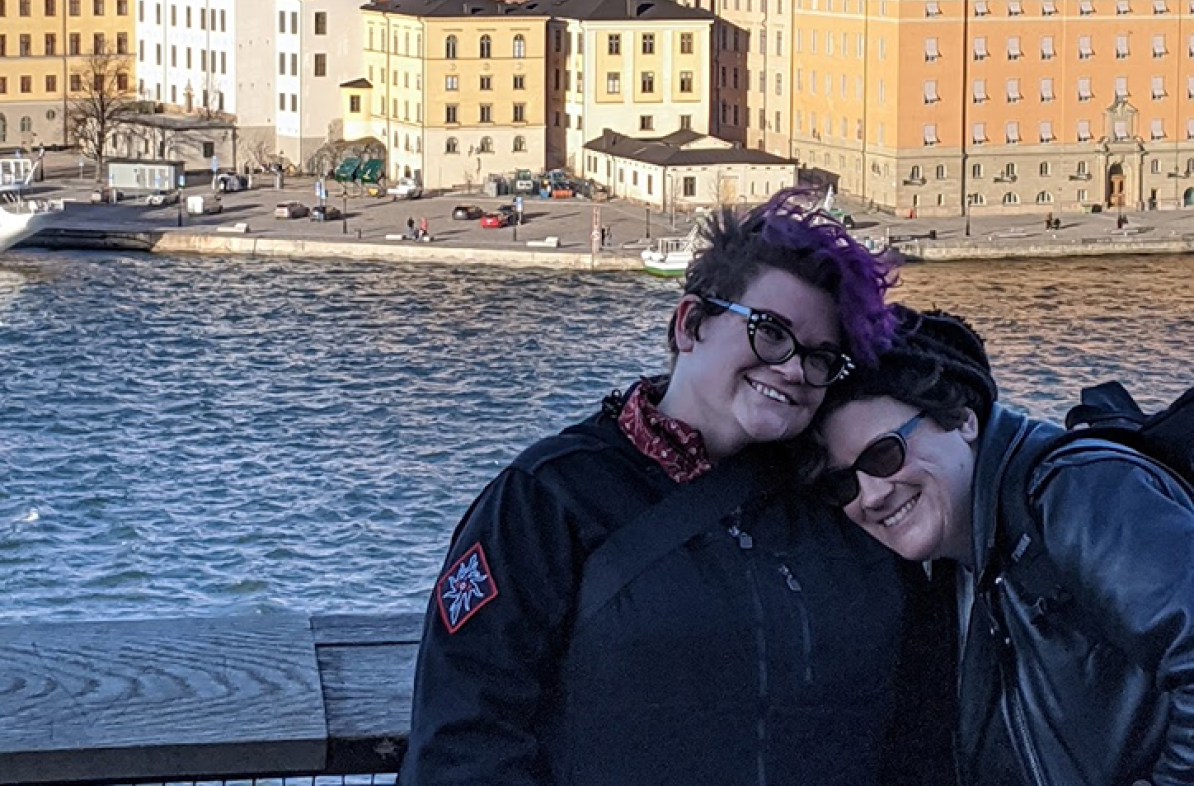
(670, 256)
(19, 220)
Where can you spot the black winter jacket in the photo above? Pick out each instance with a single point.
(723, 664)
(1098, 691)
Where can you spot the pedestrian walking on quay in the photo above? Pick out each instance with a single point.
(653, 596)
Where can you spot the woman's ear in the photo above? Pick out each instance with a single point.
(969, 427)
(686, 336)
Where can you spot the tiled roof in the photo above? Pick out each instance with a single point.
(596, 10)
(672, 151)
(360, 83)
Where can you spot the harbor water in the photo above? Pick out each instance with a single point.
(186, 436)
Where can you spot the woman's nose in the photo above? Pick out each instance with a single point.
(872, 492)
(792, 369)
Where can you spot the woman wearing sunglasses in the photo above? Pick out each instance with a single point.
(757, 647)
(1076, 651)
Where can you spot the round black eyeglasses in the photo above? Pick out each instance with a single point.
(774, 343)
(882, 458)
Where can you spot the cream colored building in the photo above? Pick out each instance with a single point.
(44, 47)
(636, 68)
(684, 170)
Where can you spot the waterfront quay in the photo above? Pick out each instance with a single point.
(246, 225)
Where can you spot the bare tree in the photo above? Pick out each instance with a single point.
(101, 105)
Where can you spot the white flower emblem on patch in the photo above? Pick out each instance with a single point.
(463, 587)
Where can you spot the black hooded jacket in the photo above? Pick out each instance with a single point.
(769, 659)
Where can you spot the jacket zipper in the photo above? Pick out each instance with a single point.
(746, 542)
(1020, 723)
(806, 630)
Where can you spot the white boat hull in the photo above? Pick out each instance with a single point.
(16, 226)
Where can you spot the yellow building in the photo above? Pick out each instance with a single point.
(634, 68)
(44, 46)
(456, 90)
(461, 91)
(939, 106)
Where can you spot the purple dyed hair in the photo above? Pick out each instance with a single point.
(788, 234)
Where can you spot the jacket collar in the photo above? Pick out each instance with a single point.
(1003, 431)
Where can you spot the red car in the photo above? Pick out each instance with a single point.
(495, 220)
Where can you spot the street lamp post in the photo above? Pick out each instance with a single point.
(344, 214)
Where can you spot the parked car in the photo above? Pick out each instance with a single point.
(159, 198)
(291, 210)
(842, 217)
(229, 181)
(199, 205)
(326, 213)
(495, 220)
(405, 188)
(467, 212)
(106, 194)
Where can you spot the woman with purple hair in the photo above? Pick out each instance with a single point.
(651, 596)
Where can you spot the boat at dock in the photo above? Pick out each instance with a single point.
(670, 256)
(24, 218)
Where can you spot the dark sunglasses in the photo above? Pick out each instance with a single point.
(882, 458)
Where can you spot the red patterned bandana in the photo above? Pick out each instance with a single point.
(673, 444)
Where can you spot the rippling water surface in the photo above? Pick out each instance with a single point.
(182, 435)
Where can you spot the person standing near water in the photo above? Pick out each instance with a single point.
(650, 597)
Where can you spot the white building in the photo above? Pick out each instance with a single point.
(685, 170)
(274, 66)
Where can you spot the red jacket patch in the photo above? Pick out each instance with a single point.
(465, 588)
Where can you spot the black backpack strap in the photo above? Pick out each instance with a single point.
(693, 508)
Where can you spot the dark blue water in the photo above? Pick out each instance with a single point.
(183, 435)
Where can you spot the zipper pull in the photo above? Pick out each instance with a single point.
(793, 584)
(745, 541)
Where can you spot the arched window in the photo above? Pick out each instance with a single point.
(520, 46)
(450, 47)
(3, 128)
(486, 145)
(1082, 168)
(915, 173)
(978, 199)
(1045, 169)
(486, 47)
(1011, 199)
(1155, 166)
(941, 171)
(520, 144)
(452, 145)
(976, 170)
(1044, 198)
(26, 124)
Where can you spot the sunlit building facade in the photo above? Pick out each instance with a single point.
(44, 50)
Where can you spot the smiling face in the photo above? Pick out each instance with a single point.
(922, 511)
(721, 388)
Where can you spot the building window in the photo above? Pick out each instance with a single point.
(615, 43)
(1159, 48)
(646, 123)
(26, 84)
(520, 113)
(686, 47)
(486, 47)
(452, 145)
(1158, 129)
(520, 46)
(520, 144)
(940, 174)
(486, 145)
(685, 122)
(450, 113)
(1013, 91)
(1084, 93)
(1046, 130)
(648, 43)
(321, 65)
(450, 47)
(930, 134)
(980, 91)
(648, 82)
(451, 82)
(979, 134)
(685, 81)
(487, 82)
(52, 9)
(980, 48)
(520, 82)
(321, 23)
(688, 186)
(1013, 48)
(1158, 86)
(931, 51)
(930, 91)
(486, 113)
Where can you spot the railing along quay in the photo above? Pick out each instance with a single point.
(205, 699)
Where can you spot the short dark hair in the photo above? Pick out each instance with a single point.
(936, 363)
(786, 235)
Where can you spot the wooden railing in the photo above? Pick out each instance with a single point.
(205, 698)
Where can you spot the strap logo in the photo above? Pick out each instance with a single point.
(465, 588)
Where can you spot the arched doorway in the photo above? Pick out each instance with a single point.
(1115, 186)
(1188, 198)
